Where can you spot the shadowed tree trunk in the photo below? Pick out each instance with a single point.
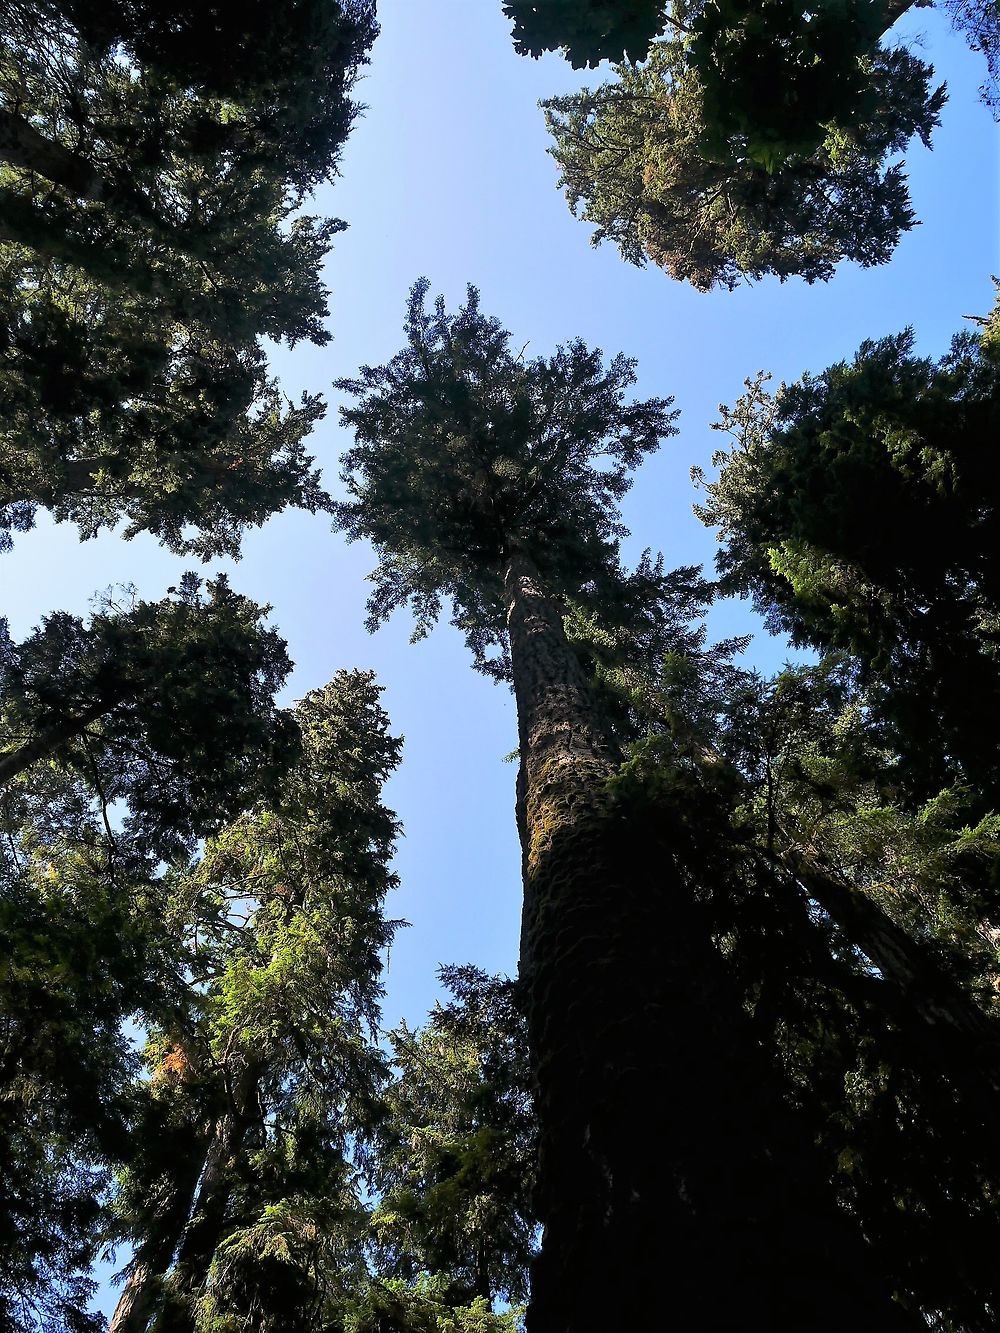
(154, 1256)
(207, 1223)
(675, 1186)
(49, 741)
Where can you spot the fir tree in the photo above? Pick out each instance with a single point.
(152, 236)
(824, 506)
(712, 204)
(493, 481)
(242, 1201)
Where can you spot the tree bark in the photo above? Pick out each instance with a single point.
(207, 1223)
(675, 1185)
(23, 146)
(153, 1258)
(50, 740)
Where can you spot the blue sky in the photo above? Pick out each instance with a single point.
(447, 175)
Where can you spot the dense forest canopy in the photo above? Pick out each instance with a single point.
(743, 1069)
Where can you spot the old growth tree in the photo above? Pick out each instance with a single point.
(492, 481)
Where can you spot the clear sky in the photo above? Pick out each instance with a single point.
(447, 175)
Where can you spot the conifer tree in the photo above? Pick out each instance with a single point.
(151, 185)
(824, 507)
(454, 1163)
(847, 919)
(167, 706)
(82, 953)
(714, 203)
(242, 1201)
(493, 481)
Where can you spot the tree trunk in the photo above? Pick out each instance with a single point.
(154, 1256)
(207, 1224)
(675, 1186)
(962, 1040)
(50, 740)
(22, 146)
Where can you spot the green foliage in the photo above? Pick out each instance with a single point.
(81, 952)
(268, 1074)
(824, 507)
(289, 70)
(587, 31)
(752, 780)
(455, 1170)
(422, 1307)
(167, 706)
(113, 411)
(466, 451)
(712, 204)
(151, 238)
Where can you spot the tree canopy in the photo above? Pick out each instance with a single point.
(713, 204)
(165, 706)
(824, 505)
(466, 452)
(151, 182)
(587, 31)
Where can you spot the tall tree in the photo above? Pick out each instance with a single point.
(493, 481)
(167, 706)
(152, 235)
(82, 953)
(241, 1207)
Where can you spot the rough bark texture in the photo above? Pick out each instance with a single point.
(676, 1188)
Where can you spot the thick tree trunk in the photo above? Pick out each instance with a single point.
(50, 740)
(676, 1189)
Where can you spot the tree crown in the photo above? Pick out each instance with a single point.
(466, 451)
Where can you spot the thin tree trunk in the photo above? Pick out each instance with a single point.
(676, 1189)
(207, 1223)
(50, 740)
(964, 1039)
(22, 146)
(154, 1256)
